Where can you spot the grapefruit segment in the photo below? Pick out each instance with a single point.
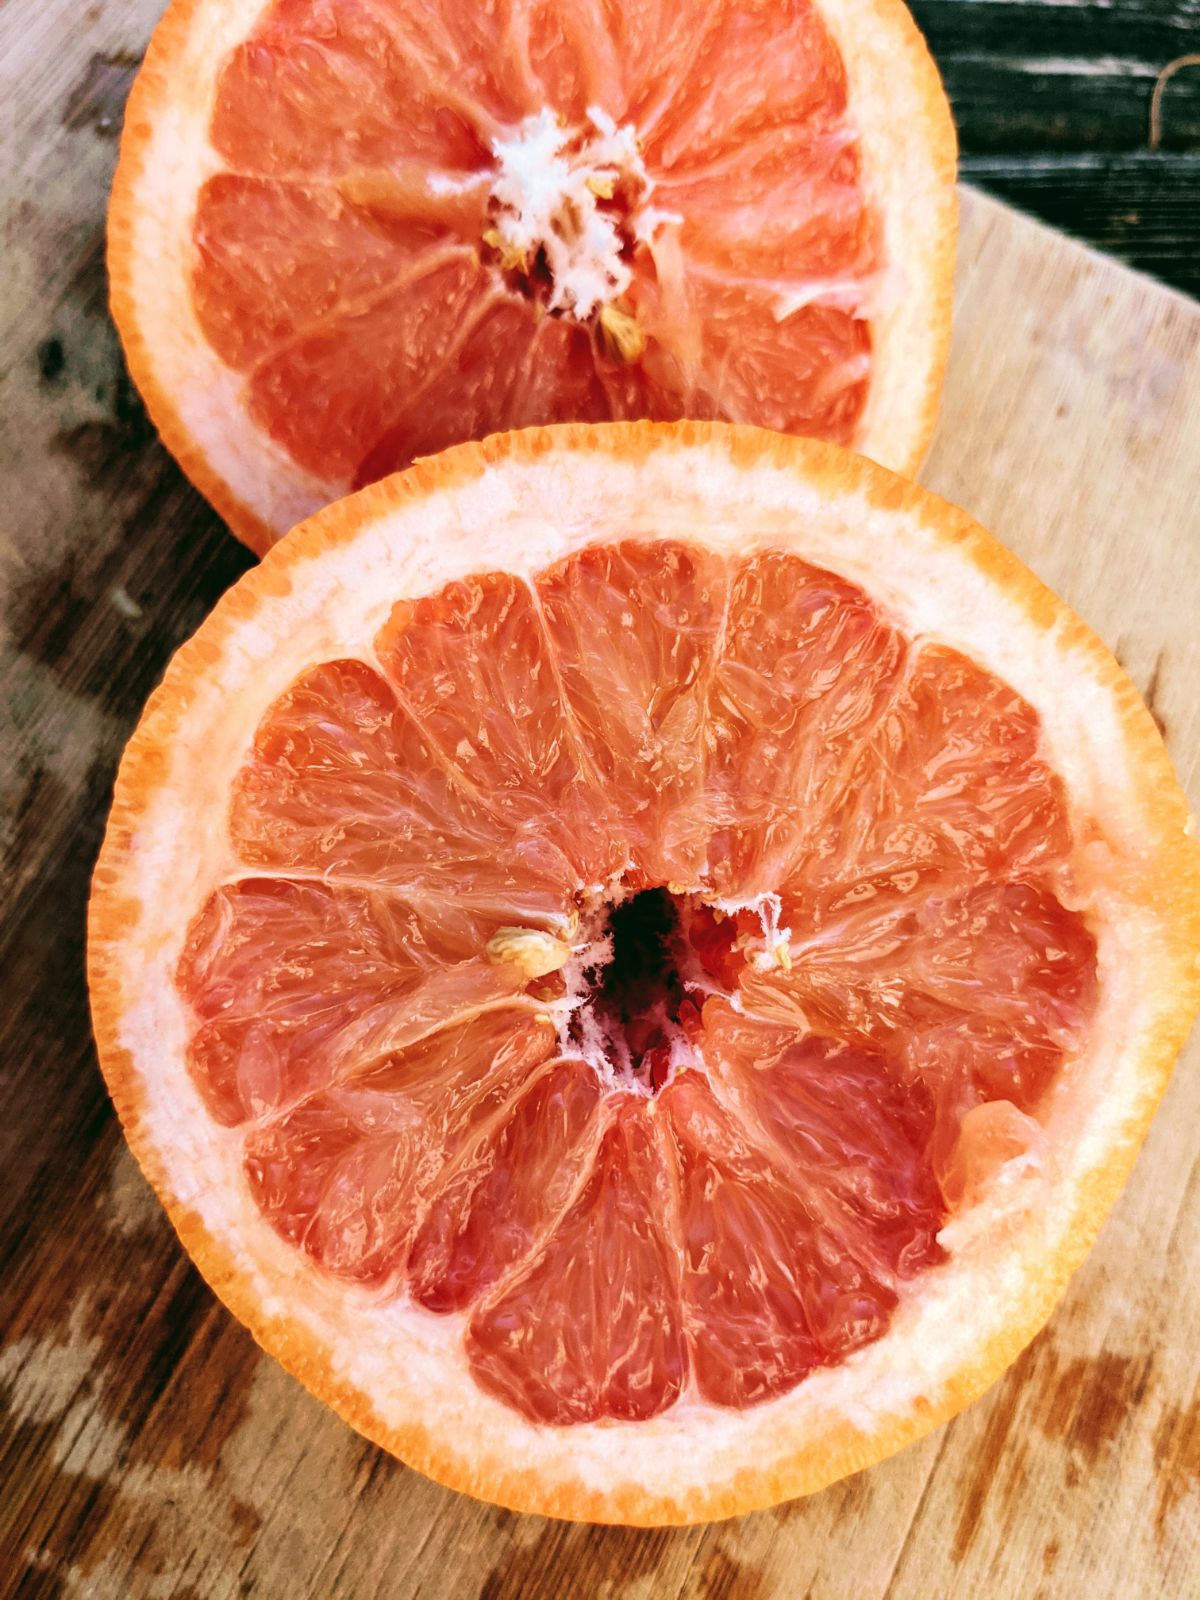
(952, 779)
(996, 982)
(329, 395)
(296, 256)
(478, 676)
(806, 667)
(347, 1172)
(751, 347)
(561, 370)
(479, 382)
(590, 1326)
(757, 66)
(292, 983)
(633, 628)
(276, 93)
(656, 44)
(344, 784)
(506, 1192)
(802, 191)
(572, 59)
(846, 1131)
(338, 1176)
(766, 1297)
(1009, 951)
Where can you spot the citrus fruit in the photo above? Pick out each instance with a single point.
(348, 233)
(637, 958)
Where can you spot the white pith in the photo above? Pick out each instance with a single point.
(407, 1364)
(547, 190)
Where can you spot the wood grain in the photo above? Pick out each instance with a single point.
(1143, 206)
(1052, 100)
(147, 1449)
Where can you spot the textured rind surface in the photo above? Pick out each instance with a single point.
(833, 1424)
(909, 162)
(894, 85)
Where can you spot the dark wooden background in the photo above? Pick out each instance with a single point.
(1052, 100)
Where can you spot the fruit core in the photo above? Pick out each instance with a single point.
(567, 207)
(636, 980)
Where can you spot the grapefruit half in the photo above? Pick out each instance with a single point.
(345, 235)
(643, 1021)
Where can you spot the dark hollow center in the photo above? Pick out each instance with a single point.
(638, 994)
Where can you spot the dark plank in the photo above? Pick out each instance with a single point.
(1143, 208)
(1053, 100)
(1032, 77)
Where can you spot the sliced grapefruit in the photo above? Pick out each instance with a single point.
(345, 235)
(645, 1020)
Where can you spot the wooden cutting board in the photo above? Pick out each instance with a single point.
(148, 1449)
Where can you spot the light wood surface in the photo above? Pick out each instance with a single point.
(147, 1449)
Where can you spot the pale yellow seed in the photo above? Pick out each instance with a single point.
(783, 955)
(621, 333)
(602, 188)
(536, 953)
(512, 258)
